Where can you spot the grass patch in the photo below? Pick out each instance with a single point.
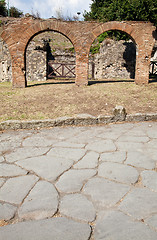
(52, 99)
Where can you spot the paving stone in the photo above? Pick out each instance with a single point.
(152, 133)
(78, 207)
(7, 211)
(69, 144)
(42, 202)
(118, 226)
(110, 134)
(47, 167)
(140, 159)
(38, 141)
(118, 172)
(149, 179)
(135, 139)
(26, 152)
(10, 170)
(1, 159)
(16, 189)
(105, 193)
(118, 157)
(152, 221)
(101, 146)
(139, 203)
(8, 145)
(90, 160)
(73, 180)
(2, 180)
(67, 153)
(152, 144)
(55, 228)
(129, 146)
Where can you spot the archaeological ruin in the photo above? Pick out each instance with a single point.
(29, 52)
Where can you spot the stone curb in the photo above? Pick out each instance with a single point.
(81, 119)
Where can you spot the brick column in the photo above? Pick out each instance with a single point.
(81, 69)
(18, 75)
(142, 67)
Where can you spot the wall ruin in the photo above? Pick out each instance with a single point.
(18, 32)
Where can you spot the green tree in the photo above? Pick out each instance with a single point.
(3, 9)
(119, 10)
(14, 12)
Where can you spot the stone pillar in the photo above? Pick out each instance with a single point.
(81, 69)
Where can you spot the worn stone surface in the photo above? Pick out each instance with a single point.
(10, 170)
(73, 180)
(152, 221)
(118, 172)
(43, 166)
(118, 226)
(1, 159)
(78, 207)
(7, 211)
(139, 159)
(118, 157)
(56, 228)
(90, 160)
(101, 146)
(105, 193)
(80, 186)
(149, 179)
(42, 202)
(22, 153)
(9, 190)
(137, 203)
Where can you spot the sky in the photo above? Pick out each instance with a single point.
(49, 8)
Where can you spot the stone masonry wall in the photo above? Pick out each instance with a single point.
(5, 63)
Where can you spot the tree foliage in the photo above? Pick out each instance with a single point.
(13, 11)
(119, 10)
(3, 9)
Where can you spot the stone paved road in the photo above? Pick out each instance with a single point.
(79, 183)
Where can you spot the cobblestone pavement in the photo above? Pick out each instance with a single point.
(79, 183)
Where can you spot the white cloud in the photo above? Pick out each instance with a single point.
(48, 8)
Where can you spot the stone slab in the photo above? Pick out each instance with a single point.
(1, 159)
(90, 160)
(55, 228)
(139, 203)
(73, 180)
(27, 152)
(117, 156)
(118, 226)
(105, 193)
(152, 221)
(149, 179)
(15, 189)
(140, 159)
(101, 146)
(42, 202)
(118, 172)
(47, 167)
(68, 153)
(7, 211)
(78, 207)
(10, 170)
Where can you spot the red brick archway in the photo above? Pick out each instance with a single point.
(18, 32)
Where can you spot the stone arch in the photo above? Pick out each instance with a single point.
(123, 29)
(36, 34)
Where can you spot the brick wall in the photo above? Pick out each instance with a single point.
(18, 32)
